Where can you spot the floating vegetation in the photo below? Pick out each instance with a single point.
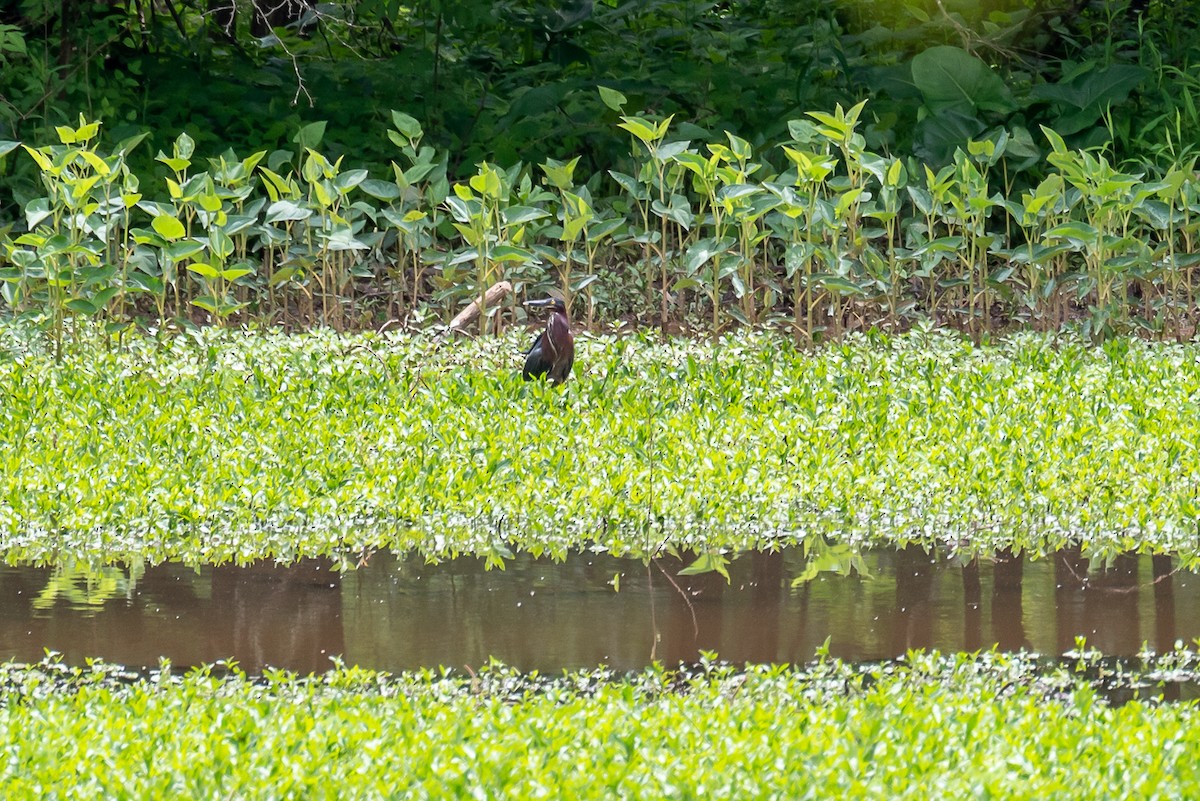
(218, 446)
(968, 725)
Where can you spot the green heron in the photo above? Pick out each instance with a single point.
(553, 352)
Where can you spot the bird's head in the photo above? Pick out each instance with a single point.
(553, 303)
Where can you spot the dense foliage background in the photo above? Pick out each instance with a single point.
(509, 80)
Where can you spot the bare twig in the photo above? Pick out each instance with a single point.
(682, 594)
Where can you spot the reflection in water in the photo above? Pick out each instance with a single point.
(912, 614)
(1102, 605)
(84, 586)
(401, 613)
(1008, 614)
(972, 606)
(259, 615)
(264, 610)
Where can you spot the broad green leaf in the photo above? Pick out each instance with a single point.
(1084, 96)
(185, 146)
(234, 273)
(381, 190)
(208, 303)
(407, 125)
(839, 285)
(740, 148)
(168, 227)
(701, 253)
(43, 161)
(204, 270)
(349, 179)
(612, 98)
(177, 165)
(1056, 141)
(324, 196)
(183, 249)
(220, 244)
(603, 228)
(461, 209)
(103, 296)
(344, 239)
(507, 253)
(283, 275)
(628, 183)
(950, 77)
(560, 173)
(678, 213)
(583, 282)
(81, 306)
(309, 136)
(278, 186)
(1077, 230)
(939, 135)
(519, 215)
(36, 212)
(487, 182)
(645, 130)
(418, 172)
(86, 130)
(286, 210)
(95, 162)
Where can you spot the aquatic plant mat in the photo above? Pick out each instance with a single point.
(951, 727)
(214, 446)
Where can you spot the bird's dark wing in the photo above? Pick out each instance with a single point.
(563, 371)
(537, 344)
(535, 363)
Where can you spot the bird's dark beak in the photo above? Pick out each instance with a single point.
(540, 303)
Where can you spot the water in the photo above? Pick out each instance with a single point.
(398, 614)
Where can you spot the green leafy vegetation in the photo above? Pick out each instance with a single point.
(509, 80)
(962, 727)
(816, 236)
(221, 445)
(700, 166)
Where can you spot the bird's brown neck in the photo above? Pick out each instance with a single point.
(557, 330)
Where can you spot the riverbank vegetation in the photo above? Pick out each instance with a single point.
(812, 234)
(684, 163)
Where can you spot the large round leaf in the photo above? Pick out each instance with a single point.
(951, 77)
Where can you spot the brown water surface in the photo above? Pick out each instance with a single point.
(398, 614)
